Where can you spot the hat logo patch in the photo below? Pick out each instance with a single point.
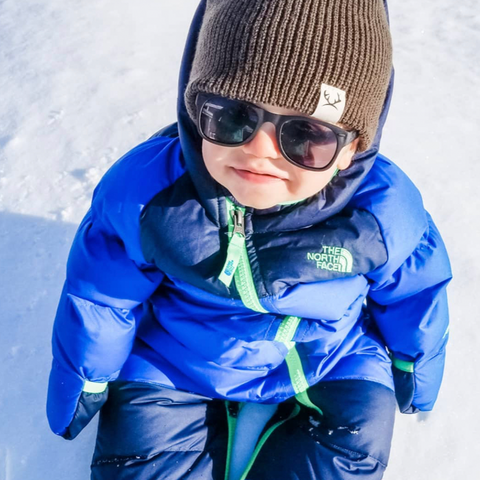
(329, 103)
(332, 104)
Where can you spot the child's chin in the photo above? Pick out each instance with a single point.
(259, 197)
(258, 204)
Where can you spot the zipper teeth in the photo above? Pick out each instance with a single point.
(244, 283)
(243, 273)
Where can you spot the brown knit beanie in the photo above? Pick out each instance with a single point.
(328, 58)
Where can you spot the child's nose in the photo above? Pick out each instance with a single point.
(264, 143)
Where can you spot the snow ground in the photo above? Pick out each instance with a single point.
(82, 85)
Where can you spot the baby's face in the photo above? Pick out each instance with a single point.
(258, 175)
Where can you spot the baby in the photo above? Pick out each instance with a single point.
(255, 288)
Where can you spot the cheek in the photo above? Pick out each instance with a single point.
(217, 159)
(215, 154)
(208, 153)
(211, 156)
(308, 183)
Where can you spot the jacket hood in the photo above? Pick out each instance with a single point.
(329, 201)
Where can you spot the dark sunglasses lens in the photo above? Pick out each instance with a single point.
(308, 144)
(227, 121)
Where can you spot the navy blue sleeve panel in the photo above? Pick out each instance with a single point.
(108, 278)
(411, 311)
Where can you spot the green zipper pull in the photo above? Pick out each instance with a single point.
(235, 247)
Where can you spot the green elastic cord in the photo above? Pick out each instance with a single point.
(402, 365)
(94, 387)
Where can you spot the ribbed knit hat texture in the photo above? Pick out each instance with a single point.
(328, 58)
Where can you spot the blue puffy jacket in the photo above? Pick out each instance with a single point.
(335, 287)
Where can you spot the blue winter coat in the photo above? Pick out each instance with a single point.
(360, 267)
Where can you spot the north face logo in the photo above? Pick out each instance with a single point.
(333, 259)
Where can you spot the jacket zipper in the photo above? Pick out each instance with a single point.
(237, 265)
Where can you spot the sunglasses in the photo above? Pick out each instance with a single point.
(304, 141)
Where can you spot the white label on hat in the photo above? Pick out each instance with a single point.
(331, 105)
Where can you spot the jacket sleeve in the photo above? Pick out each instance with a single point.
(108, 280)
(411, 312)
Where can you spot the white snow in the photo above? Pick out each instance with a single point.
(83, 82)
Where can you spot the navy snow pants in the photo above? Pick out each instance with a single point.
(148, 432)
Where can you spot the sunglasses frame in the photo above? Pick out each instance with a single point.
(343, 137)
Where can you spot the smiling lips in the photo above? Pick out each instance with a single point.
(257, 177)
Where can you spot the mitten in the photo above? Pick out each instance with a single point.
(404, 380)
(90, 402)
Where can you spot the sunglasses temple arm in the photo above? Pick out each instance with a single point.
(350, 137)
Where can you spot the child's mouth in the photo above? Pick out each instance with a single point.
(257, 177)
